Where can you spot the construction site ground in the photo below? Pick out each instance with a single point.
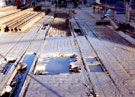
(106, 57)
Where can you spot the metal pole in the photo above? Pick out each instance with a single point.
(113, 23)
(125, 6)
(127, 12)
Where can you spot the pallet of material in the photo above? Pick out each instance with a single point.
(7, 8)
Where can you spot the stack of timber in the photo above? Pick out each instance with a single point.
(24, 26)
(15, 15)
(11, 25)
(20, 21)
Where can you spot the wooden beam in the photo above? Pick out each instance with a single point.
(6, 25)
(13, 27)
(8, 8)
(28, 24)
(12, 16)
(9, 13)
(113, 23)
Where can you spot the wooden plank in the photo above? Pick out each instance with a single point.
(106, 83)
(6, 44)
(48, 19)
(38, 41)
(56, 46)
(17, 19)
(24, 43)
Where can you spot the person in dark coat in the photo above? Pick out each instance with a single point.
(75, 2)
